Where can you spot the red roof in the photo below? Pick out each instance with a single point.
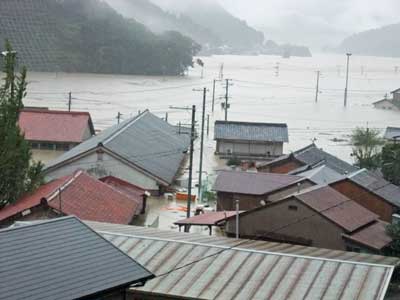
(374, 236)
(207, 219)
(135, 192)
(82, 196)
(336, 207)
(55, 126)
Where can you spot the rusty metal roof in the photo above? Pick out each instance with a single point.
(207, 219)
(253, 183)
(254, 270)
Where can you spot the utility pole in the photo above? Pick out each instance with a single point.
(208, 125)
(192, 136)
(237, 219)
(166, 117)
(202, 145)
(347, 79)
(317, 89)
(213, 94)
(69, 101)
(119, 115)
(227, 84)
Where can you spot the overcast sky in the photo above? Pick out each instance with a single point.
(314, 22)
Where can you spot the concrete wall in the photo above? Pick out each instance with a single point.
(365, 198)
(277, 218)
(385, 105)
(108, 166)
(248, 148)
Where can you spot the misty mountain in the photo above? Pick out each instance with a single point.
(204, 21)
(89, 36)
(376, 42)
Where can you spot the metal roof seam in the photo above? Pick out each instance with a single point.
(235, 248)
(383, 291)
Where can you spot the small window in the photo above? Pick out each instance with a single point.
(62, 147)
(293, 207)
(47, 146)
(34, 145)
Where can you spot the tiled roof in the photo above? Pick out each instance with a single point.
(378, 186)
(252, 183)
(209, 218)
(392, 133)
(145, 141)
(336, 207)
(373, 236)
(260, 132)
(82, 196)
(55, 126)
(321, 175)
(251, 270)
(132, 191)
(62, 259)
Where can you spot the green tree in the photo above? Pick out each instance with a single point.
(393, 230)
(391, 163)
(18, 174)
(366, 147)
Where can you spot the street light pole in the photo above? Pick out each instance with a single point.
(347, 79)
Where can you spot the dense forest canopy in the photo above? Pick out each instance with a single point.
(89, 36)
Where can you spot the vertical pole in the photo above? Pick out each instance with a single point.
(179, 127)
(226, 99)
(60, 199)
(208, 125)
(202, 146)
(166, 117)
(119, 117)
(213, 95)
(69, 101)
(189, 199)
(237, 219)
(347, 79)
(317, 90)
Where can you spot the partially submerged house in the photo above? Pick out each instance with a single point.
(304, 159)
(392, 134)
(53, 132)
(195, 266)
(372, 192)
(144, 150)
(319, 217)
(389, 103)
(79, 195)
(248, 140)
(64, 259)
(254, 189)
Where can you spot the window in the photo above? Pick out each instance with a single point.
(292, 207)
(47, 146)
(34, 145)
(62, 147)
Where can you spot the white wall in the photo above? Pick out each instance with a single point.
(275, 149)
(109, 166)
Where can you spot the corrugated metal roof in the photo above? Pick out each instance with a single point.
(254, 270)
(377, 185)
(209, 218)
(260, 132)
(145, 140)
(61, 259)
(392, 133)
(252, 183)
(54, 125)
(336, 207)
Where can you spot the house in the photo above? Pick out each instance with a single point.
(52, 132)
(80, 195)
(391, 104)
(304, 159)
(144, 151)
(64, 259)
(196, 266)
(254, 189)
(319, 217)
(250, 140)
(372, 192)
(319, 174)
(140, 195)
(392, 134)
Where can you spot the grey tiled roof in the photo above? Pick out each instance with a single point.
(377, 185)
(260, 132)
(62, 259)
(145, 140)
(321, 175)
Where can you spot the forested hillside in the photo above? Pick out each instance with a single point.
(377, 42)
(89, 36)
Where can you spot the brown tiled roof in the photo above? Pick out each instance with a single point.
(253, 183)
(54, 125)
(336, 207)
(373, 236)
